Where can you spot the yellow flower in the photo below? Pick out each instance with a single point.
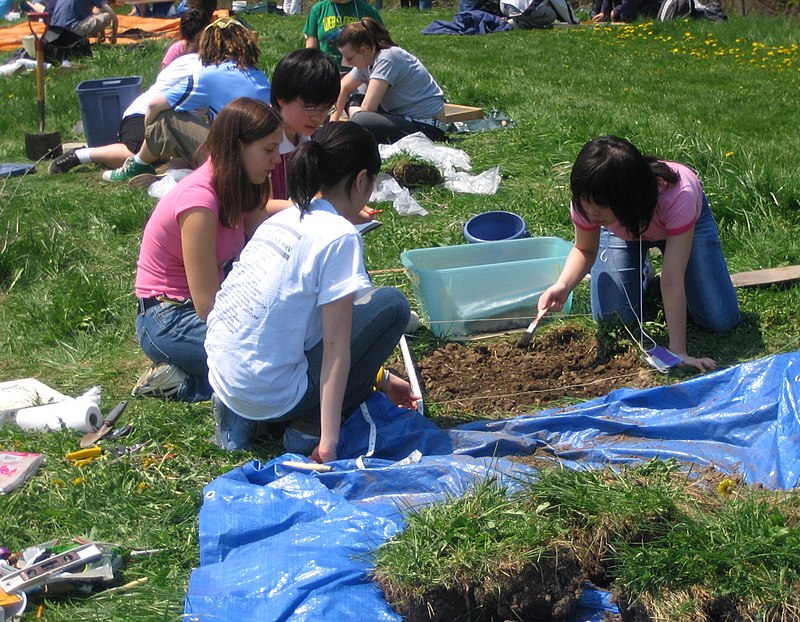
(725, 487)
(729, 154)
(141, 486)
(77, 481)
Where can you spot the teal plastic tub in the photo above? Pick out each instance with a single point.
(480, 288)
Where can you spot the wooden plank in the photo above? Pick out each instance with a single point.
(769, 276)
(457, 112)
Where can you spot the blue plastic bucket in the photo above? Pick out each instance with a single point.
(495, 226)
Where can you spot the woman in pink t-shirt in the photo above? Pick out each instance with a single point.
(194, 233)
(623, 204)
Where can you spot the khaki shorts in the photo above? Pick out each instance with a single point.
(178, 135)
(92, 25)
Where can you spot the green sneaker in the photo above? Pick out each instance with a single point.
(127, 171)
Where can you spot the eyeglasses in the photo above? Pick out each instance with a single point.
(319, 110)
(224, 22)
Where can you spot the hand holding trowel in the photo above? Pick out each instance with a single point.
(525, 340)
(92, 437)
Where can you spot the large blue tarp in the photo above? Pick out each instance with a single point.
(277, 543)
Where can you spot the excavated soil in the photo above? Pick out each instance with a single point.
(548, 589)
(565, 364)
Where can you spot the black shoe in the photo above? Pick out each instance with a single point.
(64, 163)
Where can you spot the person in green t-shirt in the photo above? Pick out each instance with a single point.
(327, 18)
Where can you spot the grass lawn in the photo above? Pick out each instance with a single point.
(722, 98)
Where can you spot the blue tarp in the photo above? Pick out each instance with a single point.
(281, 544)
(468, 23)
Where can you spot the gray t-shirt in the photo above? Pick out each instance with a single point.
(412, 90)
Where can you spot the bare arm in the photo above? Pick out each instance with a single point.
(578, 264)
(376, 89)
(673, 292)
(347, 85)
(253, 219)
(156, 106)
(337, 318)
(114, 21)
(312, 42)
(199, 246)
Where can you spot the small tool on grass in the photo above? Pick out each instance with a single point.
(525, 340)
(92, 437)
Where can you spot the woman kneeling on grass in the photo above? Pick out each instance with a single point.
(623, 204)
(297, 333)
(192, 235)
(401, 97)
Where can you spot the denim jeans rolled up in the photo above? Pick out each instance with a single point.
(617, 278)
(171, 333)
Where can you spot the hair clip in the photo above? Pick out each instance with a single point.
(224, 22)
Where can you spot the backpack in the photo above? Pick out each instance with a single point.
(675, 9)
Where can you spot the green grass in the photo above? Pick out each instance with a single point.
(663, 538)
(720, 97)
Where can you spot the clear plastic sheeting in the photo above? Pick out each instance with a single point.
(278, 543)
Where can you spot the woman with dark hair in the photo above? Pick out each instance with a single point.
(297, 333)
(193, 22)
(623, 204)
(401, 97)
(195, 231)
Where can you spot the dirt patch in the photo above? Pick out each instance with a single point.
(547, 589)
(563, 365)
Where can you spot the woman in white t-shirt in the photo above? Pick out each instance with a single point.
(297, 333)
(401, 95)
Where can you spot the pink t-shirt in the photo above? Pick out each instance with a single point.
(160, 269)
(175, 50)
(676, 212)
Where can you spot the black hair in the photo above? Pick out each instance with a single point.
(612, 172)
(193, 22)
(308, 74)
(340, 152)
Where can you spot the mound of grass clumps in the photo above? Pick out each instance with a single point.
(483, 556)
(412, 172)
(668, 545)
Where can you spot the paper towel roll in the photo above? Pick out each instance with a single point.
(80, 415)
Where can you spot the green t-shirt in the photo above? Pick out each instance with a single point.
(326, 19)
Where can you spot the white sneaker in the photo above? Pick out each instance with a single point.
(160, 380)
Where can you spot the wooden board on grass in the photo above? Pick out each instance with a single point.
(457, 112)
(770, 276)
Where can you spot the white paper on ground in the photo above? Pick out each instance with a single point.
(168, 182)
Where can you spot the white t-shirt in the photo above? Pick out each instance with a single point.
(268, 314)
(182, 67)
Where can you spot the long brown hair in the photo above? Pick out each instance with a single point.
(226, 39)
(243, 121)
(365, 32)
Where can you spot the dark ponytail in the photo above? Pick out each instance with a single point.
(340, 152)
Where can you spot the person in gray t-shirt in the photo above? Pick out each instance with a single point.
(401, 95)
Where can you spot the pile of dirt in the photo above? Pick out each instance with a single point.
(564, 364)
(545, 589)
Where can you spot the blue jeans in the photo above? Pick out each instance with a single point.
(617, 278)
(379, 319)
(170, 333)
